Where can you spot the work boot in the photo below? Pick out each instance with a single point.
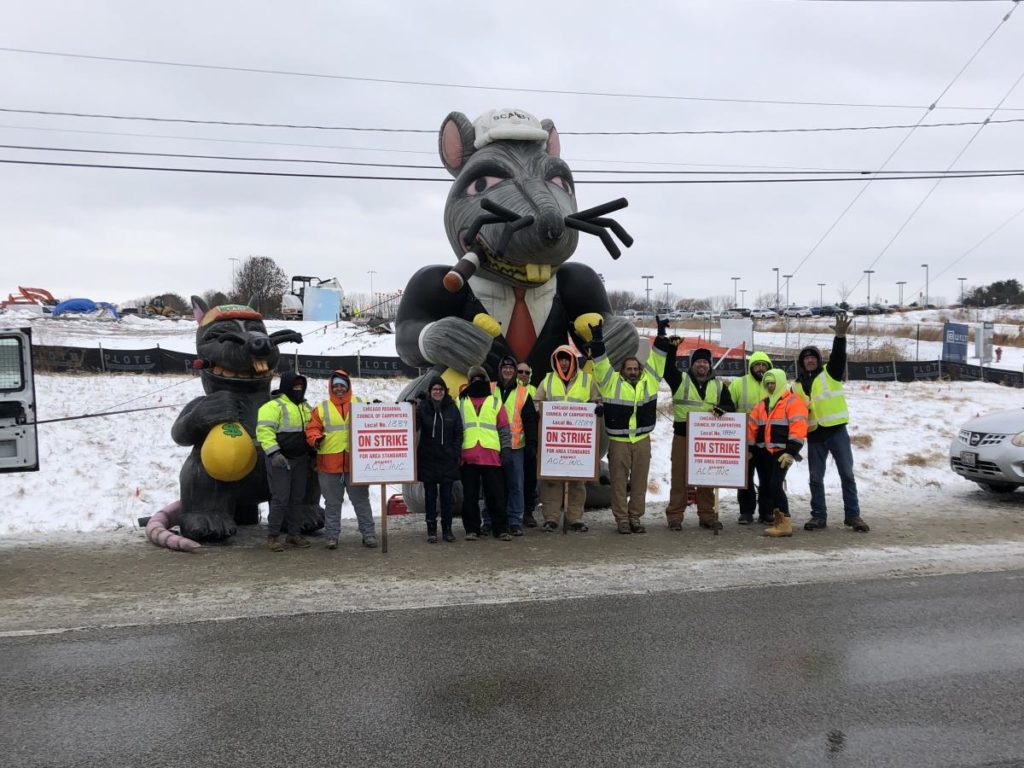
(370, 541)
(746, 519)
(711, 523)
(815, 524)
(529, 520)
(635, 526)
(332, 542)
(299, 542)
(485, 529)
(432, 532)
(675, 525)
(516, 530)
(857, 524)
(446, 533)
(783, 526)
(274, 544)
(624, 527)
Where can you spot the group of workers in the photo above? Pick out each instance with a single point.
(486, 437)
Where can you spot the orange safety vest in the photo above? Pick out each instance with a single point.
(514, 411)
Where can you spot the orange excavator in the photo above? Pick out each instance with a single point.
(29, 297)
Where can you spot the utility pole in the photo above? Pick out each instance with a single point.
(869, 273)
(776, 271)
(926, 295)
(787, 288)
(648, 278)
(821, 294)
(735, 282)
(961, 279)
(901, 283)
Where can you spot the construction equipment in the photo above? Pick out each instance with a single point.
(157, 308)
(312, 298)
(32, 297)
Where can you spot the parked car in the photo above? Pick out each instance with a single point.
(763, 314)
(702, 314)
(741, 311)
(867, 309)
(989, 450)
(826, 311)
(679, 314)
(797, 311)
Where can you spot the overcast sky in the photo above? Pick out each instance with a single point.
(116, 235)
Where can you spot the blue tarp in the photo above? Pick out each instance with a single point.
(83, 305)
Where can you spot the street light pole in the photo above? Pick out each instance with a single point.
(666, 294)
(869, 273)
(901, 283)
(735, 282)
(787, 288)
(234, 270)
(926, 296)
(776, 271)
(371, 273)
(821, 294)
(961, 279)
(743, 297)
(648, 278)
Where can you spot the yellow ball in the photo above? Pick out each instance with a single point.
(228, 452)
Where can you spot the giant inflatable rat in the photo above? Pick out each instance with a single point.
(511, 218)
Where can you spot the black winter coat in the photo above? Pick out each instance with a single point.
(440, 440)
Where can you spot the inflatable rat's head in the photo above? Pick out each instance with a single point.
(511, 196)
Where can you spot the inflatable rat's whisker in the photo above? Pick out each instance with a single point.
(477, 225)
(600, 210)
(510, 229)
(506, 214)
(592, 222)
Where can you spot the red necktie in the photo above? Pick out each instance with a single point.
(520, 335)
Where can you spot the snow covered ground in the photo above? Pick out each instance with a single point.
(101, 474)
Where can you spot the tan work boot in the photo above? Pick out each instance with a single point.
(783, 526)
(299, 542)
(274, 544)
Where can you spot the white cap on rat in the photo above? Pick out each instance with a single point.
(506, 123)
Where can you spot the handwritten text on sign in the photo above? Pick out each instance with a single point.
(383, 444)
(717, 450)
(568, 442)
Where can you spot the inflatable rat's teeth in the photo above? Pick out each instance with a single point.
(538, 273)
(461, 272)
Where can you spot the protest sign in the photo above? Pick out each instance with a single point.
(383, 444)
(569, 447)
(716, 454)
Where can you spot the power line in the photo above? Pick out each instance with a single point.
(902, 142)
(362, 129)
(231, 172)
(978, 244)
(468, 86)
(210, 139)
(935, 186)
(249, 158)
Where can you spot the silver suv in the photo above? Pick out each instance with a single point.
(989, 451)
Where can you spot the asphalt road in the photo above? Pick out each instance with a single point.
(911, 672)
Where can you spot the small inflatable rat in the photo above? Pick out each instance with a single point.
(512, 219)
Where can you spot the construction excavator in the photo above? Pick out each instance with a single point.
(29, 297)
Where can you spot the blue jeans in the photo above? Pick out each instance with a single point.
(514, 492)
(838, 444)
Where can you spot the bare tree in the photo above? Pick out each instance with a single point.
(621, 300)
(215, 298)
(261, 284)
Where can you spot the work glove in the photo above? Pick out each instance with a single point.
(662, 325)
(663, 344)
(278, 461)
(376, 401)
(318, 442)
(786, 460)
(597, 340)
(842, 325)
(717, 411)
(599, 410)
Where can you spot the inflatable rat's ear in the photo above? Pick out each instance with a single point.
(554, 143)
(199, 309)
(455, 142)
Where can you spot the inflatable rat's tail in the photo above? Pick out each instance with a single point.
(158, 530)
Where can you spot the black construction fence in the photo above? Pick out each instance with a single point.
(158, 361)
